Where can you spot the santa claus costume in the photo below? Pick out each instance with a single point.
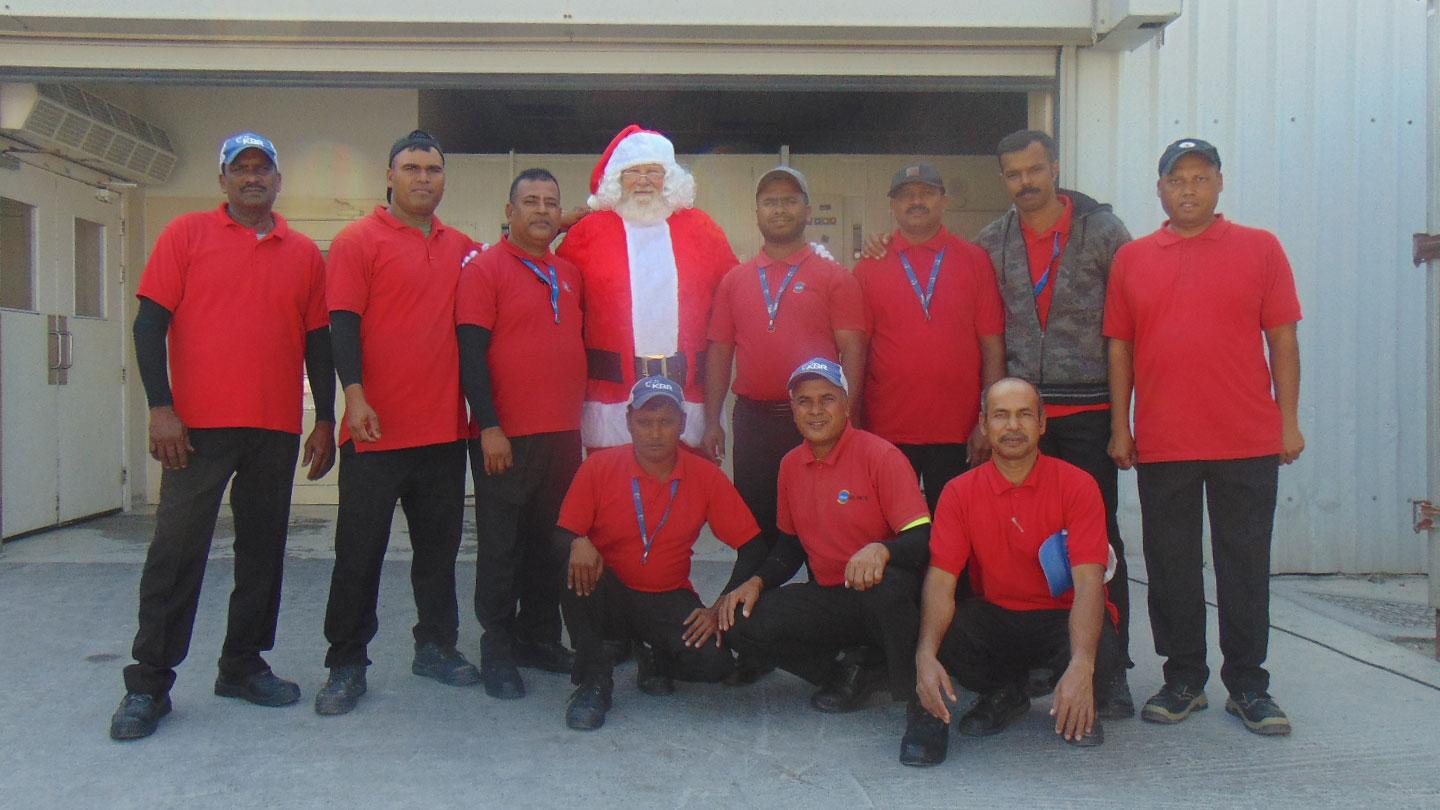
(649, 281)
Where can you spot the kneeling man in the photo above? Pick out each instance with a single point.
(629, 525)
(850, 506)
(1032, 529)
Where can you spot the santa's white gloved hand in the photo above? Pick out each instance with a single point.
(821, 251)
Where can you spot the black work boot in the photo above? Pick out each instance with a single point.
(444, 664)
(653, 673)
(927, 738)
(138, 715)
(586, 708)
(550, 656)
(995, 712)
(262, 688)
(854, 677)
(342, 690)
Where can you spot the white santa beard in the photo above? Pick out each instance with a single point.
(654, 289)
(644, 210)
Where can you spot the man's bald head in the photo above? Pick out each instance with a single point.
(1008, 385)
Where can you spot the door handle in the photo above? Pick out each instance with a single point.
(67, 350)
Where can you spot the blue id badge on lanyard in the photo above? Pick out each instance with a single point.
(1045, 278)
(772, 302)
(929, 291)
(646, 538)
(548, 276)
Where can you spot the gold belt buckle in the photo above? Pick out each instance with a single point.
(664, 365)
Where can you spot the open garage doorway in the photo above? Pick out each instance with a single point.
(848, 142)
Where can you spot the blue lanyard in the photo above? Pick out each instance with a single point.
(646, 538)
(915, 282)
(1045, 279)
(772, 303)
(548, 276)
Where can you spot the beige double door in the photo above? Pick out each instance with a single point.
(62, 339)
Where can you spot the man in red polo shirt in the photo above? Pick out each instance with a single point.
(935, 326)
(391, 288)
(772, 313)
(518, 315)
(1052, 253)
(1191, 310)
(628, 528)
(850, 507)
(1005, 520)
(241, 298)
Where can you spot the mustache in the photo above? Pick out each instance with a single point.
(918, 208)
(1028, 190)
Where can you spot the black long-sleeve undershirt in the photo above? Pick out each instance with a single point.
(748, 557)
(475, 373)
(910, 550)
(152, 324)
(320, 369)
(345, 345)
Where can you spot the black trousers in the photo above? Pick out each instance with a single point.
(429, 483)
(262, 465)
(802, 626)
(763, 433)
(1083, 439)
(515, 514)
(935, 465)
(614, 611)
(988, 647)
(1240, 496)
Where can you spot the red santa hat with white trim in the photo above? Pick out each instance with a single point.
(633, 146)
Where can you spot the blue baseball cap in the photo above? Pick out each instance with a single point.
(235, 144)
(648, 388)
(827, 370)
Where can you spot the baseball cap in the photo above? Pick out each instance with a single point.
(917, 173)
(417, 139)
(648, 388)
(827, 370)
(1187, 146)
(235, 144)
(784, 171)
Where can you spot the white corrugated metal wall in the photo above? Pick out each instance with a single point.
(1318, 110)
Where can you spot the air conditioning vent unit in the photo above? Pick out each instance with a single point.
(80, 126)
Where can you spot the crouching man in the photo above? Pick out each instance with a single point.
(629, 525)
(850, 506)
(1041, 601)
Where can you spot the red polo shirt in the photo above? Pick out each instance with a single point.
(821, 298)
(915, 362)
(863, 491)
(1046, 250)
(240, 309)
(1196, 310)
(601, 506)
(537, 366)
(402, 285)
(998, 527)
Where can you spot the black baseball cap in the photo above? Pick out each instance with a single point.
(1187, 146)
(917, 173)
(417, 139)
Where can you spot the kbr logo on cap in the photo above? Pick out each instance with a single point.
(912, 171)
(1186, 144)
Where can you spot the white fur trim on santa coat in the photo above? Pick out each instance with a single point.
(654, 289)
(602, 424)
(639, 148)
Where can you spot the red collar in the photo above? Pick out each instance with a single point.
(280, 231)
(807, 453)
(1215, 232)
(383, 212)
(933, 244)
(636, 471)
(521, 253)
(1000, 485)
(763, 259)
(1061, 226)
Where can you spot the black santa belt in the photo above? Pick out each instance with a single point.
(608, 366)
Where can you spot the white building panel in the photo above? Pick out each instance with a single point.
(1318, 110)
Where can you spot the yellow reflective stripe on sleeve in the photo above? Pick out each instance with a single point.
(920, 521)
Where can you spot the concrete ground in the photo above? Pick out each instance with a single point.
(1366, 711)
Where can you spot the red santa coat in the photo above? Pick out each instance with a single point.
(601, 247)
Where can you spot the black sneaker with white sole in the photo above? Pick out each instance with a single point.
(1173, 703)
(1259, 712)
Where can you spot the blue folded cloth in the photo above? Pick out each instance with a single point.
(1055, 562)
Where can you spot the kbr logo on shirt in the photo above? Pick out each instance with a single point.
(799, 286)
